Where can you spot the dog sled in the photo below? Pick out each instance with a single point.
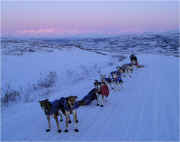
(91, 96)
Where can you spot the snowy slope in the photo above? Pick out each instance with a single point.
(146, 108)
(71, 66)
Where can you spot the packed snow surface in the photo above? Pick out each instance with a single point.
(145, 108)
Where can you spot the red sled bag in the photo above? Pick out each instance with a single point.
(104, 90)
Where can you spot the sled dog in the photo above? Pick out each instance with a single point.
(64, 106)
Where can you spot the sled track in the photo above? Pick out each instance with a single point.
(145, 109)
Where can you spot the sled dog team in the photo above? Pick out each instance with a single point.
(68, 105)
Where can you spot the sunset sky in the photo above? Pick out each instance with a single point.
(55, 19)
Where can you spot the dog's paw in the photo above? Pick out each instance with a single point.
(76, 130)
(61, 120)
(69, 122)
(97, 104)
(47, 130)
(59, 131)
(77, 121)
(101, 105)
(66, 130)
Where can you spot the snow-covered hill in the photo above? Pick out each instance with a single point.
(165, 43)
(145, 108)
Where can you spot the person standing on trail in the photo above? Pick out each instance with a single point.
(133, 59)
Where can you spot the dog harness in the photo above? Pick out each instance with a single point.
(119, 78)
(108, 79)
(57, 104)
(64, 103)
(54, 108)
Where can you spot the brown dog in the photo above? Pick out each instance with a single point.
(46, 105)
(66, 106)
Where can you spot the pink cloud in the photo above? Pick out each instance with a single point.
(38, 31)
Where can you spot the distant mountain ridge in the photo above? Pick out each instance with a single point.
(162, 43)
